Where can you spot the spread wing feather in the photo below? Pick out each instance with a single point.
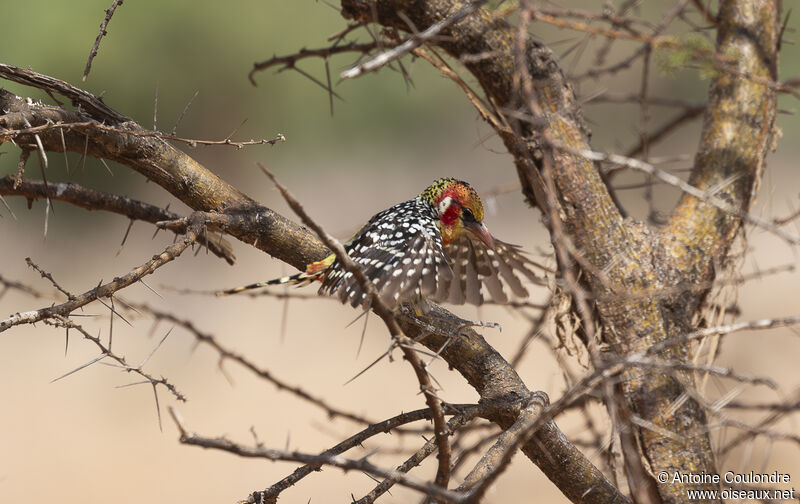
(403, 257)
(475, 266)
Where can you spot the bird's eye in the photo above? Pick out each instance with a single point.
(467, 215)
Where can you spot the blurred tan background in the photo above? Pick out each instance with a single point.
(83, 440)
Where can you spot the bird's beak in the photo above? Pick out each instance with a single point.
(483, 234)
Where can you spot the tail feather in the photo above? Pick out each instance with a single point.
(302, 278)
(314, 271)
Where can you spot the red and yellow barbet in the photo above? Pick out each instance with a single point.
(434, 247)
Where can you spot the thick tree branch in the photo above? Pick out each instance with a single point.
(175, 171)
(494, 379)
(90, 199)
(470, 354)
(737, 135)
(523, 79)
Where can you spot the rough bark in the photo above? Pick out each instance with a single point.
(632, 259)
(156, 159)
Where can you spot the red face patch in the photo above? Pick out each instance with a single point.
(450, 216)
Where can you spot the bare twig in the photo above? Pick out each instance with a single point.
(705, 12)
(11, 284)
(49, 277)
(95, 200)
(706, 196)
(290, 61)
(183, 113)
(24, 154)
(749, 325)
(416, 458)
(463, 414)
(190, 438)
(64, 309)
(11, 133)
(412, 42)
(105, 351)
(228, 354)
(493, 462)
(103, 32)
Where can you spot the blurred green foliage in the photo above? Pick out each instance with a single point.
(178, 48)
(182, 47)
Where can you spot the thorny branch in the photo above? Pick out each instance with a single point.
(290, 61)
(707, 195)
(413, 41)
(107, 289)
(228, 354)
(80, 98)
(462, 415)
(8, 134)
(157, 160)
(49, 277)
(190, 438)
(497, 458)
(100, 35)
(454, 424)
(105, 352)
(91, 199)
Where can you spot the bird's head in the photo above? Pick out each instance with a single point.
(459, 208)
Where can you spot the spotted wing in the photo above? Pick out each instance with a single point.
(475, 266)
(399, 253)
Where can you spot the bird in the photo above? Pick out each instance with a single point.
(434, 247)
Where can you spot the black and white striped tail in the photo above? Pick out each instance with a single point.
(299, 279)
